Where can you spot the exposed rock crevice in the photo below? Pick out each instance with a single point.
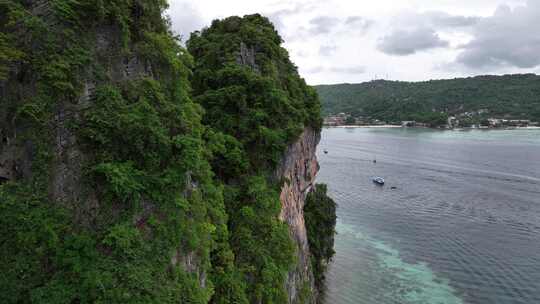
(246, 56)
(299, 168)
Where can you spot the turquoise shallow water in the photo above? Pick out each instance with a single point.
(462, 225)
(410, 283)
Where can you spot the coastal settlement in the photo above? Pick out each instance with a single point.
(475, 120)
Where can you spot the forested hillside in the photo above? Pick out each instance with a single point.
(135, 171)
(516, 96)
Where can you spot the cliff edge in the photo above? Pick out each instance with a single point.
(299, 168)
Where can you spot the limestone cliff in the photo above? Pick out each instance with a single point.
(299, 168)
(48, 158)
(119, 183)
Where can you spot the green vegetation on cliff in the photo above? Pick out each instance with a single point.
(517, 96)
(262, 101)
(255, 105)
(129, 186)
(320, 217)
(113, 240)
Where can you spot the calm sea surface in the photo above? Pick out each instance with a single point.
(461, 226)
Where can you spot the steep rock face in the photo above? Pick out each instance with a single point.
(66, 182)
(299, 168)
(246, 56)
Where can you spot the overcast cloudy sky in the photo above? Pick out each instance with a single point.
(334, 41)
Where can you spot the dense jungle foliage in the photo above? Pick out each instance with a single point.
(245, 101)
(144, 143)
(516, 96)
(178, 203)
(320, 218)
(253, 112)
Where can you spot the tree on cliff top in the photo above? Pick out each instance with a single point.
(249, 87)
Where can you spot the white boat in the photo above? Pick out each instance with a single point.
(378, 180)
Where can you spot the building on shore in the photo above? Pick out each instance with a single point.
(335, 120)
(408, 123)
(452, 122)
(501, 123)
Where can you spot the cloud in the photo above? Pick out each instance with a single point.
(327, 50)
(339, 70)
(354, 19)
(316, 27)
(322, 24)
(434, 19)
(281, 19)
(442, 19)
(349, 70)
(186, 18)
(315, 70)
(301, 53)
(419, 31)
(358, 22)
(408, 42)
(508, 38)
(277, 17)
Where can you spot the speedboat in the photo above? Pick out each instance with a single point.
(378, 180)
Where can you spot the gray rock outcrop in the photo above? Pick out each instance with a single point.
(299, 168)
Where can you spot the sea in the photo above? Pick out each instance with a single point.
(457, 221)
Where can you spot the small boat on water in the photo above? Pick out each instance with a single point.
(378, 180)
(325, 151)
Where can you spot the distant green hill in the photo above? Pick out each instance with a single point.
(515, 96)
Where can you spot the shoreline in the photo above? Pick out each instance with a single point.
(442, 129)
(364, 126)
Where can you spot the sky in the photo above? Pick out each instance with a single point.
(348, 41)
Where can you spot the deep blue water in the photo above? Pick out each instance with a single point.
(462, 225)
